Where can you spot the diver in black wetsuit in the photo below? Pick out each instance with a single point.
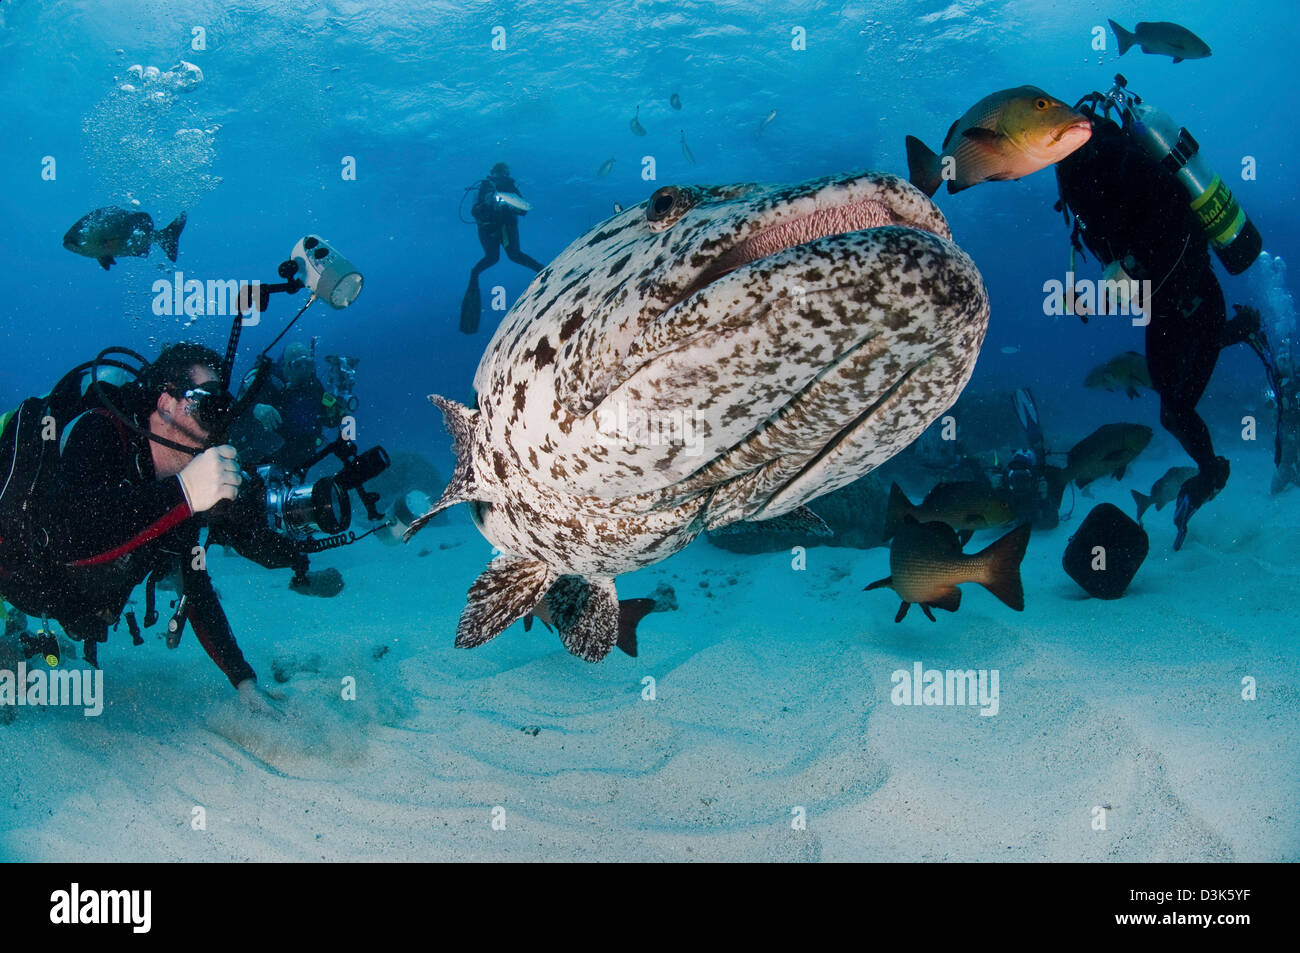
(498, 225)
(1129, 209)
(129, 507)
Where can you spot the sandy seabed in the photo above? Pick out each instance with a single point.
(771, 706)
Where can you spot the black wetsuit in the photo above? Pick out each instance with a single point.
(498, 225)
(1126, 204)
(115, 523)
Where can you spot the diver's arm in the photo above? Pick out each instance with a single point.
(243, 526)
(102, 513)
(205, 614)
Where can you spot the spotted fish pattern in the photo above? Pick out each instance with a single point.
(714, 354)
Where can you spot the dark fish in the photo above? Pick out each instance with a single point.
(686, 150)
(111, 231)
(635, 124)
(1006, 135)
(605, 168)
(1164, 491)
(1126, 372)
(965, 506)
(675, 101)
(1162, 38)
(926, 565)
(1107, 450)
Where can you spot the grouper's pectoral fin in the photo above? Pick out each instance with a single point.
(586, 613)
(463, 486)
(507, 590)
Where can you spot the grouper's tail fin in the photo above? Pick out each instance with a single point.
(170, 236)
(588, 616)
(463, 487)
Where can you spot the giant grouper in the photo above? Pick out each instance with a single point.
(714, 354)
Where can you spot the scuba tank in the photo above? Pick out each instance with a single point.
(1231, 234)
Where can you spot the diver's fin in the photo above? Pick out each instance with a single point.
(1143, 503)
(509, 588)
(1123, 37)
(167, 238)
(1001, 562)
(106, 262)
(471, 306)
(630, 612)
(462, 487)
(586, 613)
(922, 166)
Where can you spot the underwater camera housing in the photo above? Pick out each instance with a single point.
(329, 275)
(305, 512)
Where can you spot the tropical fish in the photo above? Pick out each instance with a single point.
(635, 124)
(675, 101)
(767, 121)
(678, 313)
(1164, 491)
(1107, 450)
(108, 232)
(1126, 372)
(966, 506)
(1011, 349)
(605, 167)
(686, 150)
(1162, 38)
(926, 565)
(1006, 135)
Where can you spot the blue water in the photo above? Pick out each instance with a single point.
(415, 94)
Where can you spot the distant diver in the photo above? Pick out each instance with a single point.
(496, 210)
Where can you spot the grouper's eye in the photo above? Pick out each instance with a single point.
(667, 205)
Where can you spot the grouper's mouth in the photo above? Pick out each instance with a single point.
(820, 223)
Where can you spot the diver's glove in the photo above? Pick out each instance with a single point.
(251, 694)
(210, 477)
(318, 582)
(268, 416)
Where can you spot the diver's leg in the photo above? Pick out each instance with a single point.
(489, 238)
(514, 252)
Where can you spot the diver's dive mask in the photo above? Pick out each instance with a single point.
(207, 404)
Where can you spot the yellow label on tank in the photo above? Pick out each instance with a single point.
(1218, 212)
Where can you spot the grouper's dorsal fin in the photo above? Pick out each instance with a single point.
(586, 613)
(507, 590)
(463, 486)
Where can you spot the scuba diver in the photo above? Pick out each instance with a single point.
(292, 408)
(1148, 207)
(124, 501)
(496, 210)
(1025, 478)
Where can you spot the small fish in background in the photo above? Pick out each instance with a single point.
(686, 150)
(1006, 135)
(1164, 491)
(966, 506)
(1011, 349)
(767, 121)
(108, 232)
(1162, 38)
(675, 101)
(605, 168)
(635, 124)
(617, 208)
(926, 565)
(1126, 372)
(1107, 450)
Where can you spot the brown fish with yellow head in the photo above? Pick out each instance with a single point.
(1006, 135)
(926, 565)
